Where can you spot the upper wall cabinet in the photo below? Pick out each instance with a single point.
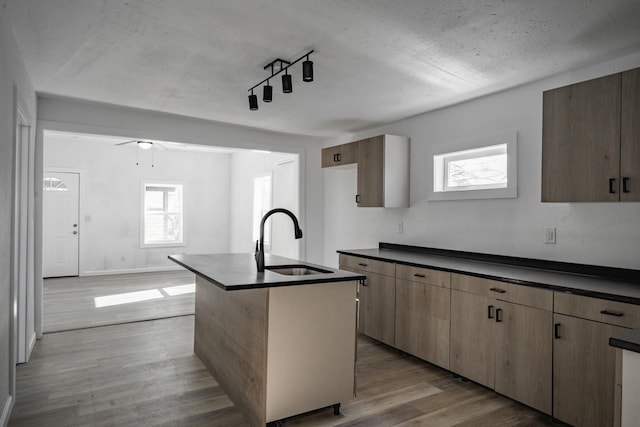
(383, 169)
(338, 155)
(591, 140)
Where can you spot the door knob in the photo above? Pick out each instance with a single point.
(75, 225)
(75, 232)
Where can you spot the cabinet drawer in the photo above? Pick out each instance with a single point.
(600, 310)
(368, 265)
(519, 294)
(423, 275)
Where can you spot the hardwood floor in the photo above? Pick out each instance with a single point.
(145, 373)
(83, 302)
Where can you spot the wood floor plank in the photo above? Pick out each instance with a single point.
(70, 302)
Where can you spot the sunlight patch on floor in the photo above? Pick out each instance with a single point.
(180, 289)
(118, 299)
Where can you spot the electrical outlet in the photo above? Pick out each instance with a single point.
(400, 228)
(550, 235)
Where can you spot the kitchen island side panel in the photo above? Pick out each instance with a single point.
(230, 340)
(311, 348)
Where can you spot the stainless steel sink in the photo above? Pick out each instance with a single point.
(296, 270)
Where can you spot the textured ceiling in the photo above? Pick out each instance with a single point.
(376, 61)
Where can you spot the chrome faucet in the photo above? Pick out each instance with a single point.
(259, 255)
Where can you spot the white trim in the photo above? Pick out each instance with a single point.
(131, 270)
(6, 410)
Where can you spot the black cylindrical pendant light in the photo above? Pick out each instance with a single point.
(253, 101)
(287, 86)
(307, 70)
(267, 92)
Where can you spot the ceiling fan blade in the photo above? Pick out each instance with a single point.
(159, 146)
(127, 142)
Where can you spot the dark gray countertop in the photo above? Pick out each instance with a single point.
(601, 287)
(238, 271)
(629, 340)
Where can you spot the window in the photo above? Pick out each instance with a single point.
(261, 205)
(482, 172)
(162, 218)
(54, 184)
(476, 169)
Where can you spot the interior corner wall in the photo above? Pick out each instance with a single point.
(13, 77)
(110, 201)
(590, 233)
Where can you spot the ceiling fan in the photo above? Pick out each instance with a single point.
(144, 144)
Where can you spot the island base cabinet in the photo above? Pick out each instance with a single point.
(584, 371)
(281, 351)
(311, 349)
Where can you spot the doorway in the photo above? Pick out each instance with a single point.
(60, 225)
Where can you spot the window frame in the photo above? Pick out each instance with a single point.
(143, 214)
(479, 147)
(258, 217)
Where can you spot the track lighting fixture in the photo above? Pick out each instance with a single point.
(287, 83)
(307, 70)
(267, 92)
(253, 101)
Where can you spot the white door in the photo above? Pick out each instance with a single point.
(61, 226)
(285, 195)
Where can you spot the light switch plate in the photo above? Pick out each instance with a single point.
(550, 235)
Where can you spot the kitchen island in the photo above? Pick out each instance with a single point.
(279, 343)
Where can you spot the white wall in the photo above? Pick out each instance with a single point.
(245, 166)
(13, 77)
(591, 233)
(110, 201)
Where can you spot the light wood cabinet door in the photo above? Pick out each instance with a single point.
(581, 141)
(378, 308)
(472, 348)
(344, 154)
(422, 321)
(523, 354)
(584, 372)
(630, 137)
(371, 172)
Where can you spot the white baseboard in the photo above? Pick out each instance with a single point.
(131, 270)
(6, 411)
(32, 343)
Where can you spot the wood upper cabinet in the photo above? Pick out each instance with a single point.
(377, 297)
(423, 313)
(590, 140)
(344, 154)
(584, 363)
(383, 170)
(630, 137)
(501, 337)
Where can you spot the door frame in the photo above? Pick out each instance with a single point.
(81, 179)
(22, 277)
